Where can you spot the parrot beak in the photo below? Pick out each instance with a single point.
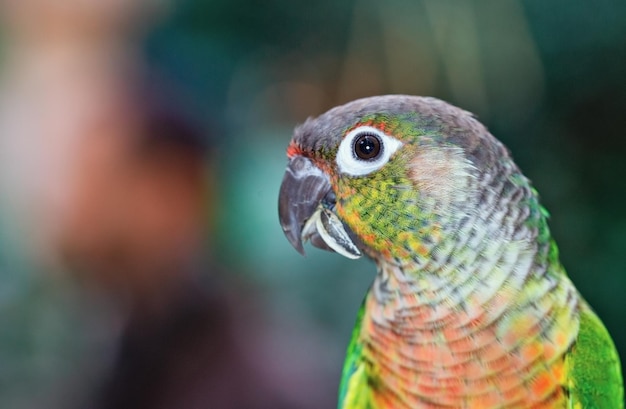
(304, 209)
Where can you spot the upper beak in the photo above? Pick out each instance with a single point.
(303, 188)
(304, 209)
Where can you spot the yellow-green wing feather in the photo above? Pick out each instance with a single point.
(355, 391)
(595, 379)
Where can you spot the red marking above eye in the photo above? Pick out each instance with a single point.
(294, 150)
(382, 126)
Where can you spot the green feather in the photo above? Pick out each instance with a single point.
(354, 391)
(595, 380)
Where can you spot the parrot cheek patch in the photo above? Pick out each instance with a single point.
(442, 174)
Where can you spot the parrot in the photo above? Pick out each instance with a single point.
(470, 306)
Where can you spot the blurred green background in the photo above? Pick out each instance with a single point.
(141, 152)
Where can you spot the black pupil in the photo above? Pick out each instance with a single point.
(367, 146)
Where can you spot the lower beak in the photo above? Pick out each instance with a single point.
(304, 204)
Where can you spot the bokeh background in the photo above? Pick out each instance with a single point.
(141, 151)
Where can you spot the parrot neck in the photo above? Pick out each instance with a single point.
(497, 239)
(498, 257)
(487, 305)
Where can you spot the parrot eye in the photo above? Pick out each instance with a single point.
(366, 146)
(364, 150)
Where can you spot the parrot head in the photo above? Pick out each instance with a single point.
(389, 176)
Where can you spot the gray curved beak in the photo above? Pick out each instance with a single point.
(303, 188)
(304, 209)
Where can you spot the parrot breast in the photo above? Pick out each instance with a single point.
(431, 342)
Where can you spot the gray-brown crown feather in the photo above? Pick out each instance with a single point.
(452, 124)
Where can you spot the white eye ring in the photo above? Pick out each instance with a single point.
(348, 161)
